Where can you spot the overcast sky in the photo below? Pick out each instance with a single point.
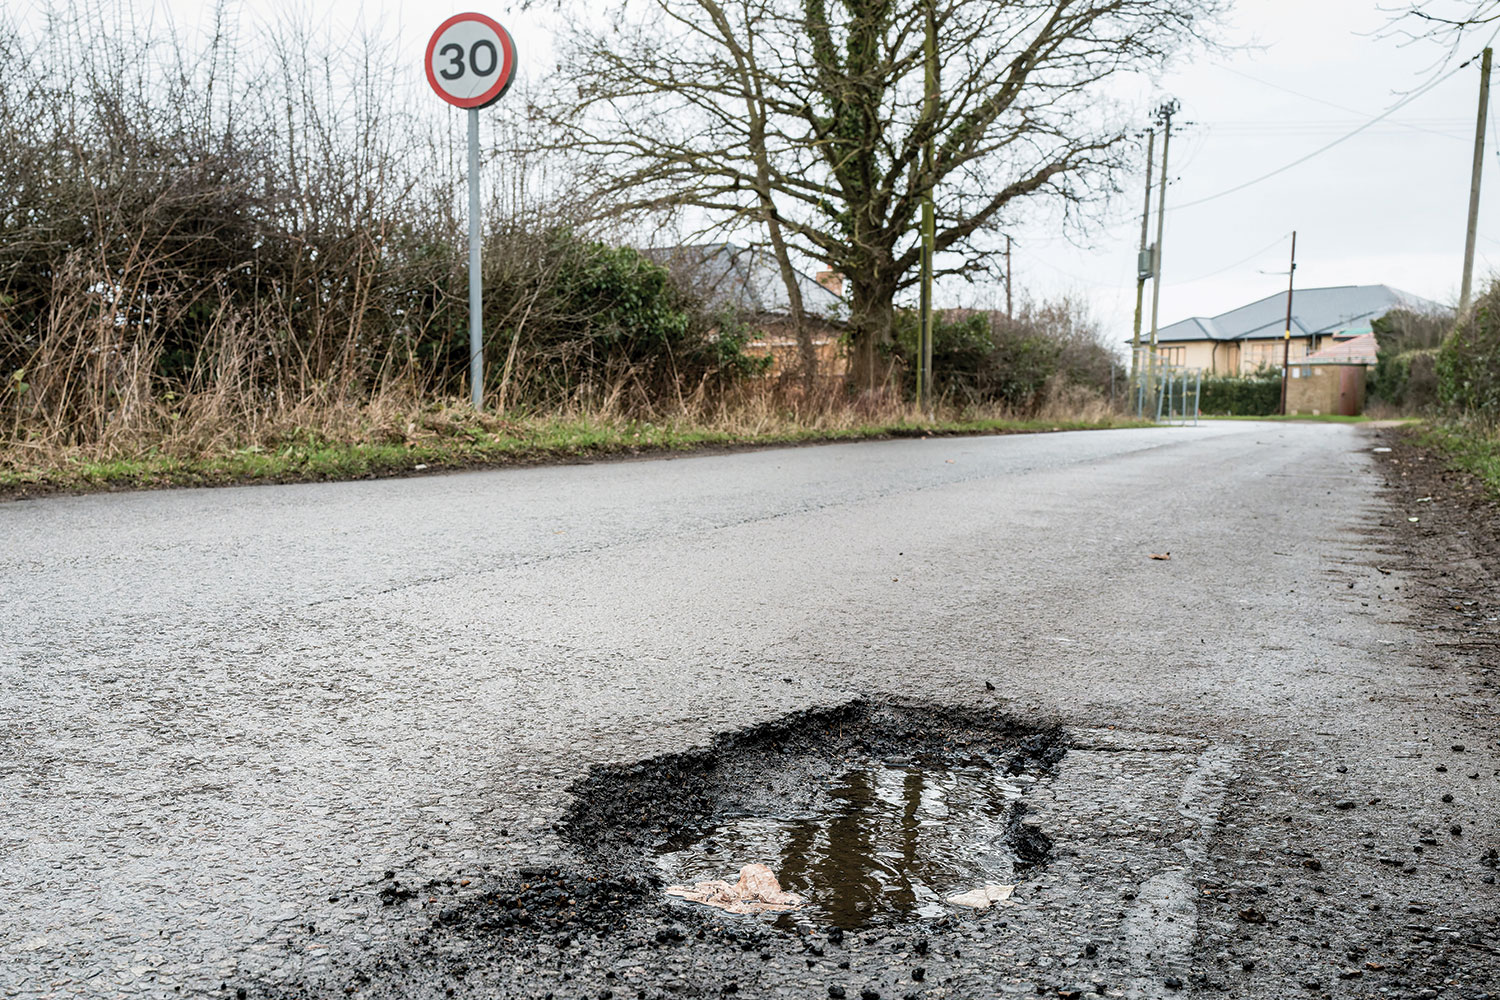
(1387, 206)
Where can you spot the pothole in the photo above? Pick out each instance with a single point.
(877, 813)
(871, 813)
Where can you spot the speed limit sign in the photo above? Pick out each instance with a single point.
(471, 60)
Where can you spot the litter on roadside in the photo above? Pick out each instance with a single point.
(757, 891)
(983, 897)
(1162, 557)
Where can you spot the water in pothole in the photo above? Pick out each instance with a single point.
(882, 837)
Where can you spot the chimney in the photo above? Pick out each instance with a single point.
(833, 281)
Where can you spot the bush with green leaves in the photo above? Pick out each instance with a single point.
(1405, 372)
(983, 357)
(569, 319)
(1406, 380)
(1254, 395)
(1468, 364)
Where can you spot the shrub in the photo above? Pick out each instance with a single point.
(1468, 364)
(1405, 373)
(294, 238)
(1254, 395)
(1407, 381)
(982, 357)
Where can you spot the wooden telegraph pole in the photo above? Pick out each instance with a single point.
(1165, 112)
(1286, 338)
(929, 218)
(1484, 102)
(1144, 266)
(1010, 316)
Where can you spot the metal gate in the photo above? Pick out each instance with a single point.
(1168, 394)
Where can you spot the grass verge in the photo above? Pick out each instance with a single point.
(1301, 418)
(460, 441)
(1468, 448)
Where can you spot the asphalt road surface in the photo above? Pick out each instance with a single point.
(226, 714)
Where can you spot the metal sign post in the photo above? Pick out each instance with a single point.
(476, 282)
(471, 61)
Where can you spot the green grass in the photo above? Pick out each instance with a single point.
(1468, 448)
(310, 458)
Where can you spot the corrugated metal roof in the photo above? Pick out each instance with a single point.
(1343, 309)
(745, 278)
(1359, 350)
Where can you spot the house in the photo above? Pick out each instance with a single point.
(1242, 340)
(748, 280)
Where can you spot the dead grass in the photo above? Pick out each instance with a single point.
(215, 439)
(89, 410)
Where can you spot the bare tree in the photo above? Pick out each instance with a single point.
(806, 119)
(1445, 21)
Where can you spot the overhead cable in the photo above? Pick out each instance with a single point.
(1324, 148)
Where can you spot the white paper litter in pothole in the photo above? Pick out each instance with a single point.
(757, 891)
(983, 897)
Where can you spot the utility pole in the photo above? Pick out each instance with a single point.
(1484, 103)
(929, 217)
(1010, 316)
(1286, 338)
(1144, 266)
(1165, 112)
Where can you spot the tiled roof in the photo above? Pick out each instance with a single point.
(1342, 310)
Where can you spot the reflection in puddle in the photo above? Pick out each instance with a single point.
(889, 836)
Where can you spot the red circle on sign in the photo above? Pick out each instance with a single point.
(507, 62)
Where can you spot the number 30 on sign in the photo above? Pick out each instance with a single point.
(471, 60)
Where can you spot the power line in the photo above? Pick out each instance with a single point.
(1327, 146)
(1450, 129)
(1319, 100)
(1494, 135)
(1230, 267)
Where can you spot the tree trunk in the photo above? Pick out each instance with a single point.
(872, 323)
(805, 352)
